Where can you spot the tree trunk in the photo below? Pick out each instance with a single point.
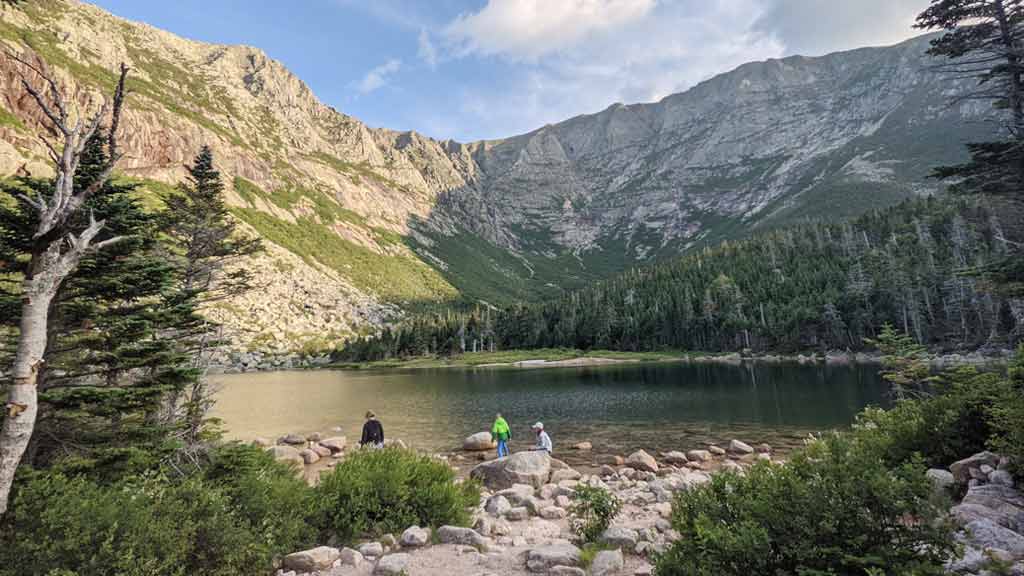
(22, 399)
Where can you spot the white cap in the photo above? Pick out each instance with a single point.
(538, 426)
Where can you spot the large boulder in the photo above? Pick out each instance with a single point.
(942, 480)
(606, 563)
(533, 468)
(987, 534)
(319, 558)
(994, 502)
(962, 469)
(479, 442)
(464, 536)
(547, 557)
(641, 460)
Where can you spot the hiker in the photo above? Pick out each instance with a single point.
(501, 433)
(543, 440)
(373, 432)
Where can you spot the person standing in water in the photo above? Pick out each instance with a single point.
(543, 440)
(501, 433)
(373, 432)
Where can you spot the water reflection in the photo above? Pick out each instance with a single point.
(618, 408)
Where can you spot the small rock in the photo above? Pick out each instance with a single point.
(699, 455)
(644, 570)
(942, 480)
(371, 549)
(716, 450)
(763, 448)
(606, 471)
(336, 444)
(552, 513)
(566, 571)
(566, 474)
(961, 469)
(309, 456)
(292, 440)
(321, 451)
(739, 447)
(563, 501)
(584, 446)
(319, 558)
(986, 469)
(314, 437)
(611, 460)
(517, 514)
(607, 562)
(676, 457)
(664, 509)
(350, 557)
(497, 505)
(414, 537)
(286, 453)
(392, 565)
(457, 535)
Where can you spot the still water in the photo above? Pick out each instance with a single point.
(619, 408)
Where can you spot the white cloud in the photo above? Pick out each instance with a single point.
(379, 76)
(528, 29)
(426, 50)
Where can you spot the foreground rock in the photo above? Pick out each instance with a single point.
(479, 442)
(414, 537)
(641, 460)
(319, 558)
(284, 453)
(607, 563)
(545, 558)
(335, 444)
(464, 536)
(392, 565)
(532, 468)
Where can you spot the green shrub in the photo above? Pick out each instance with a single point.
(835, 509)
(148, 527)
(592, 511)
(384, 491)
(1008, 415)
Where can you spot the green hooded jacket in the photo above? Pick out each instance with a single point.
(501, 431)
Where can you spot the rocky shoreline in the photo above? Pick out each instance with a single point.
(521, 523)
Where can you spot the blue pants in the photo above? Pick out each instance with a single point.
(502, 448)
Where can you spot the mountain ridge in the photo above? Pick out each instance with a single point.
(365, 222)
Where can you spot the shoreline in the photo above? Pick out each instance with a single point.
(548, 358)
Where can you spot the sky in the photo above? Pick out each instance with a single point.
(480, 69)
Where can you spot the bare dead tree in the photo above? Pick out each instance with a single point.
(56, 249)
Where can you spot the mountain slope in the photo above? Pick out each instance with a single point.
(362, 223)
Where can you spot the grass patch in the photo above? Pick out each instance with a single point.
(7, 118)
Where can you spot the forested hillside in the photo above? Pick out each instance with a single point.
(808, 287)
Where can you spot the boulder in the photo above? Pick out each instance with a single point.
(335, 444)
(414, 537)
(962, 469)
(620, 537)
(319, 558)
(606, 563)
(479, 442)
(286, 453)
(565, 474)
(547, 557)
(677, 458)
(739, 447)
(552, 513)
(321, 451)
(988, 534)
(464, 536)
(517, 494)
(641, 460)
(583, 446)
(292, 440)
(350, 557)
(942, 480)
(371, 549)
(497, 505)
(309, 456)
(392, 565)
(698, 455)
(518, 513)
(533, 468)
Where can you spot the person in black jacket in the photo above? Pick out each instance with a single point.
(373, 432)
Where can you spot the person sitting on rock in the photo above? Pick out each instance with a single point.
(373, 432)
(501, 433)
(543, 440)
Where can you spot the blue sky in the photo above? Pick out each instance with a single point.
(475, 69)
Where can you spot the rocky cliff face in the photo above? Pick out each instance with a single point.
(362, 221)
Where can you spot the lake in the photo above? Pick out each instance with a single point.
(619, 408)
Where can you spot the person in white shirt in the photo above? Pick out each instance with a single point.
(543, 440)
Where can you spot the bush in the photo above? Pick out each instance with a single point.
(244, 510)
(1008, 415)
(835, 509)
(384, 491)
(592, 511)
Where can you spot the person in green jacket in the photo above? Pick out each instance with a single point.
(501, 433)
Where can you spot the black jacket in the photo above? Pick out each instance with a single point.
(373, 432)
